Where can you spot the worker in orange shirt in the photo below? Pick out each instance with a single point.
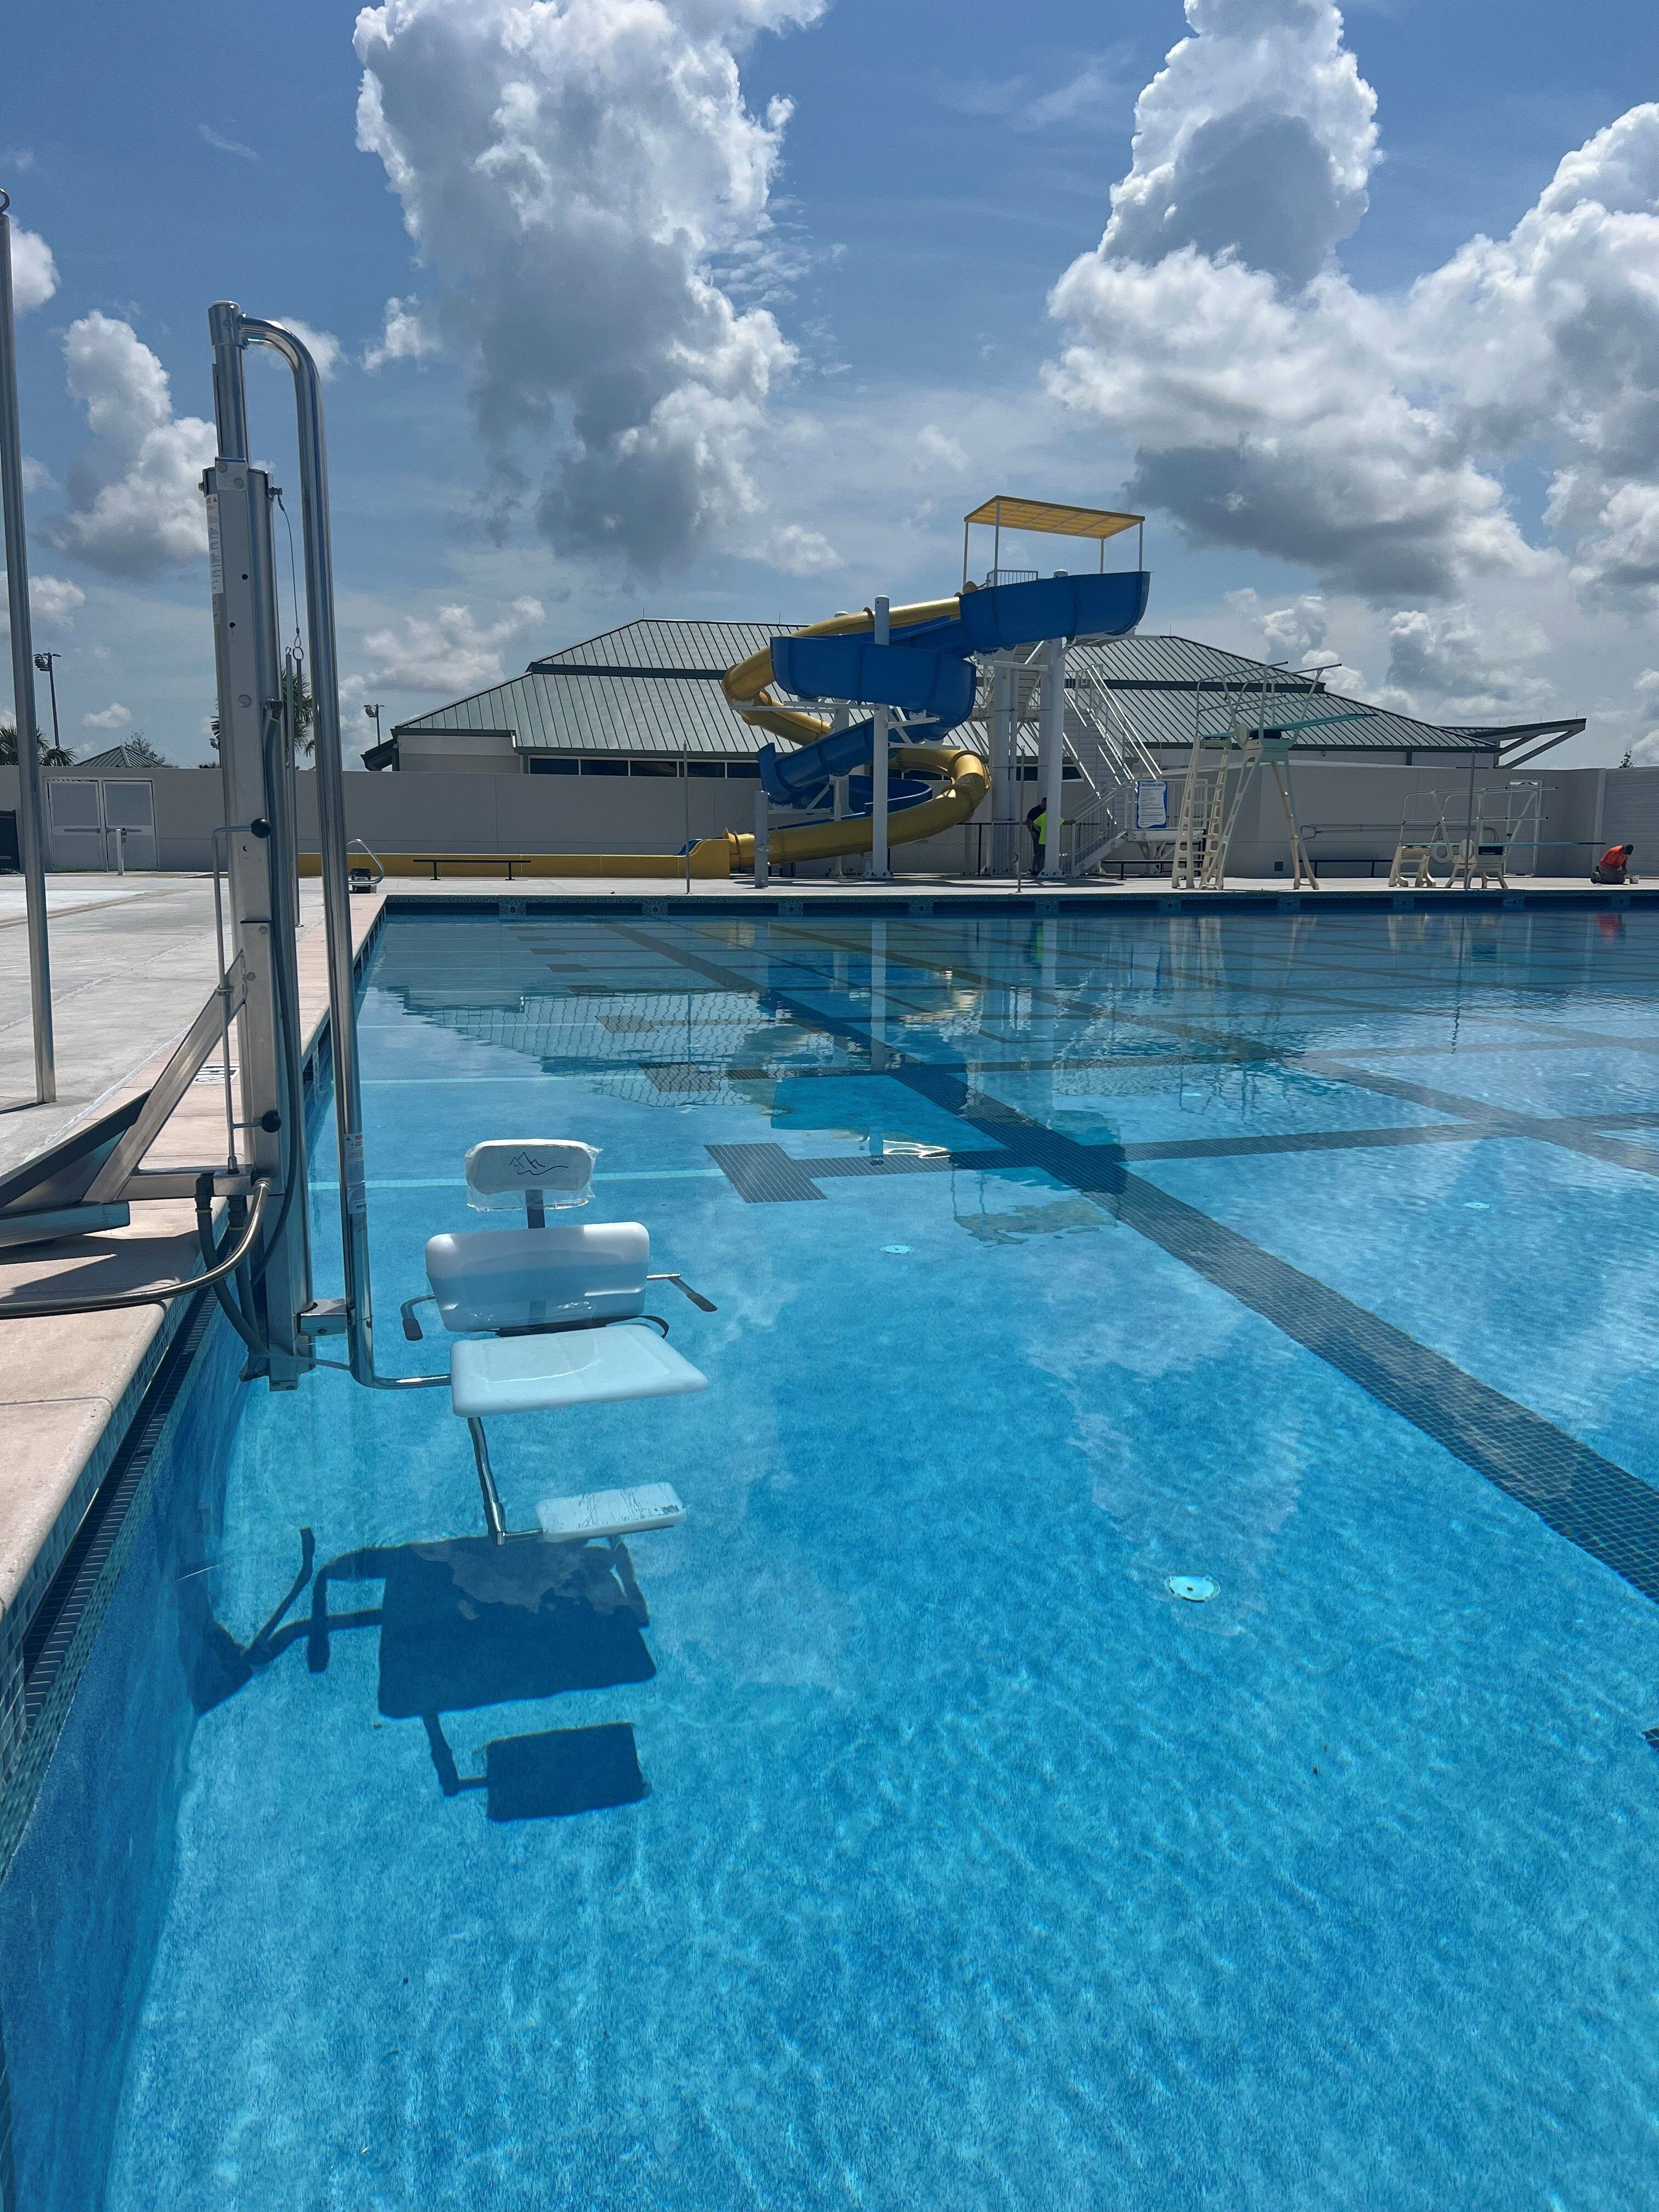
(1614, 866)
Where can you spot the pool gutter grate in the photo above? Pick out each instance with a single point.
(61, 1631)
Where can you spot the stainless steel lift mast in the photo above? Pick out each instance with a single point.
(231, 332)
(254, 765)
(31, 846)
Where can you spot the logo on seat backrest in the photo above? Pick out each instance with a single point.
(526, 1164)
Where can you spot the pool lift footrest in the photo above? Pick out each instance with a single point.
(570, 1367)
(611, 1512)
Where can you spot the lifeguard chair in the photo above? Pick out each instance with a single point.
(1421, 845)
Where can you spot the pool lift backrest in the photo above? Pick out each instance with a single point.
(562, 1275)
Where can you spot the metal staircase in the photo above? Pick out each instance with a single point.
(1112, 758)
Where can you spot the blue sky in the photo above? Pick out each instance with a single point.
(1464, 510)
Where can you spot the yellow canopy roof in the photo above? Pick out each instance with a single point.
(1060, 521)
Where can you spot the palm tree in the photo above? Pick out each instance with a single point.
(48, 755)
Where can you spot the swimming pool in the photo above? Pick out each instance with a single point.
(1058, 1260)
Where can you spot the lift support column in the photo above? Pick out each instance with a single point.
(254, 762)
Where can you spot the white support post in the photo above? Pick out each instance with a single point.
(878, 866)
(839, 720)
(763, 817)
(1005, 693)
(1052, 751)
(878, 993)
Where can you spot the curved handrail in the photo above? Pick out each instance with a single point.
(47, 1308)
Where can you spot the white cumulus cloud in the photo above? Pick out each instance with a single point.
(1449, 667)
(801, 552)
(113, 717)
(33, 271)
(1272, 404)
(448, 652)
(1644, 753)
(1296, 631)
(1255, 139)
(54, 601)
(135, 500)
(577, 177)
(405, 337)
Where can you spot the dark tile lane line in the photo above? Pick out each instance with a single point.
(1603, 1508)
(1569, 1132)
(1085, 1008)
(1572, 1134)
(1073, 1006)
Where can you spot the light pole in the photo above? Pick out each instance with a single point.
(30, 839)
(373, 713)
(46, 662)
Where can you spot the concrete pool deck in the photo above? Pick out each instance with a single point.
(134, 960)
(70, 1387)
(133, 957)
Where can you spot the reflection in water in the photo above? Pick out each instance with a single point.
(1014, 1225)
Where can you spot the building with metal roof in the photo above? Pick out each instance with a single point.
(129, 754)
(645, 698)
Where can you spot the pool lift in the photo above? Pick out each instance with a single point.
(545, 1316)
(549, 1315)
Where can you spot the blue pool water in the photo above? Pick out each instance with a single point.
(1053, 1259)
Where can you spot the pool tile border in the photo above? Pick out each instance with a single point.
(805, 900)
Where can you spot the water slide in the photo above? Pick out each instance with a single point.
(926, 671)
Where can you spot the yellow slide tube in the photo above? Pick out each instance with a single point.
(963, 774)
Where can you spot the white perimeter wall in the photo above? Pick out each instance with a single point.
(1350, 812)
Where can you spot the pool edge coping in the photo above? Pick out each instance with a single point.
(122, 1376)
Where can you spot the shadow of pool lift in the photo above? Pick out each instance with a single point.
(513, 1615)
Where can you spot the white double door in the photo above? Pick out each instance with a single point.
(101, 822)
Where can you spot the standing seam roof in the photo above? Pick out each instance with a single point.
(652, 686)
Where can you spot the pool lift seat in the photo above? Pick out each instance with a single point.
(550, 1316)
